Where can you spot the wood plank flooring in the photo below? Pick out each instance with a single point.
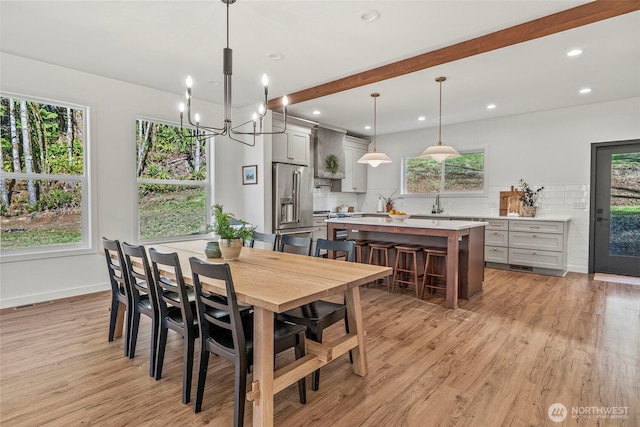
(499, 360)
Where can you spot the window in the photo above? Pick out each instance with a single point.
(461, 175)
(173, 181)
(44, 181)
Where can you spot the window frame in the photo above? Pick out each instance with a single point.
(207, 184)
(88, 243)
(444, 193)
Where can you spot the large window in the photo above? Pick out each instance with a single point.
(44, 184)
(459, 175)
(173, 181)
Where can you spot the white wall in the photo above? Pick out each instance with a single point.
(113, 108)
(549, 148)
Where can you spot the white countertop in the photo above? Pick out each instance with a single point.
(409, 223)
(446, 216)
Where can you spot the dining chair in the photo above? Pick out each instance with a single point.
(319, 315)
(228, 334)
(144, 299)
(295, 244)
(268, 238)
(120, 288)
(176, 303)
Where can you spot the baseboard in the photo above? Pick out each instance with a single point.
(54, 295)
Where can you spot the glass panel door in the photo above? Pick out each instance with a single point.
(617, 209)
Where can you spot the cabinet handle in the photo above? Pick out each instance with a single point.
(534, 234)
(533, 252)
(495, 233)
(534, 226)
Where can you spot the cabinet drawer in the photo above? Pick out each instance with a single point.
(319, 221)
(497, 224)
(543, 241)
(496, 238)
(531, 258)
(537, 226)
(496, 254)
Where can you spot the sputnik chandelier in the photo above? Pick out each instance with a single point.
(228, 129)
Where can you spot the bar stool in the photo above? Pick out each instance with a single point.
(360, 245)
(433, 278)
(379, 255)
(405, 271)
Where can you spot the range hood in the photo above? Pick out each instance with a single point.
(329, 152)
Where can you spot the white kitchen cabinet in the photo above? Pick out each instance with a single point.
(355, 179)
(293, 146)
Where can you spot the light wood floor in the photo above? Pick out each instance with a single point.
(500, 360)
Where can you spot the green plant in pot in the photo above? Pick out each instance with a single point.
(231, 232)
(529, 198)
(388, 201)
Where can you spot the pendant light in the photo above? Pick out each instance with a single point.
(440, 152)
(374, 158)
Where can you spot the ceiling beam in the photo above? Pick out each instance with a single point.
(562, 21)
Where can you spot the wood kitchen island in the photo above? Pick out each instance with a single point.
(464, 241)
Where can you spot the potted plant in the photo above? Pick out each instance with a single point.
(230, 236)
(529, 198)
(388, 201)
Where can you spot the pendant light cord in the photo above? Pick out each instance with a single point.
(440, 119)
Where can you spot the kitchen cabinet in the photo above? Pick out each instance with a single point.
(355, 180)
(319, 230)
(293, 146)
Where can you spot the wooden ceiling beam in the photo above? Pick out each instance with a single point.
(562, 21)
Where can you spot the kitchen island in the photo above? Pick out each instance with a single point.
(464, 241)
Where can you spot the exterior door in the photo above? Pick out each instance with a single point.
(615, 208)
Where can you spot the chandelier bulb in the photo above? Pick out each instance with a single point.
(285, 101)
(254, 117)
(186, 94)
(181, 107)
(189, 82)
(265, 80)
(261, 109)
(197, 118)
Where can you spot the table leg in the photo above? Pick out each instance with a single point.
(354, 313)
(263, 366)
(453, 253)
(120, 320)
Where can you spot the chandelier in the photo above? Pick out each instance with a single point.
(374, 158)
(252, 127)
(440, 152)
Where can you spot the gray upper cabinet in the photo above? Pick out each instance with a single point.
(293, 146)
(355, 174)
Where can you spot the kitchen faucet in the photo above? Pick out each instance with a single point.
(436, 208)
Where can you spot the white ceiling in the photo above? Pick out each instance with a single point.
(158, 43)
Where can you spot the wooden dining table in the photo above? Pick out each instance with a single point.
(274, 282)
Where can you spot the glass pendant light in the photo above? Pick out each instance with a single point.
(374, 158)
(440, 152)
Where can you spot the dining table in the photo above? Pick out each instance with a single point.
(274, 282)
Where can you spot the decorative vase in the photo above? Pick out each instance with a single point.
(529, 211)
(230, 248)
(212, 250)
(388, 207)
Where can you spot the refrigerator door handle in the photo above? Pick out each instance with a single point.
(296, 196)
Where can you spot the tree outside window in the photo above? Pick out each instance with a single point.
(43, 185)
(173, 181)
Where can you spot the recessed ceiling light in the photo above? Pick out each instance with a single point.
(574, 52)
(491, 106)
(316, 112)
(585, 90)
(367, 127)
(275, 56)
(422, 118)
(369, 15)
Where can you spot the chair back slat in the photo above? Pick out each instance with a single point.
(170, 292)
(141, 278)
(116, 266)
(269, 239)
(295, 244)
(345, 246)
(218, 315)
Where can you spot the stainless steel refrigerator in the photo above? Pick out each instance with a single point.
(292, 199)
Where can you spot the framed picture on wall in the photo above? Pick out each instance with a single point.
(249, 174)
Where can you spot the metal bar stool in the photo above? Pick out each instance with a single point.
(379, 255)
(433, 278)
(360, 245)
(405, 271)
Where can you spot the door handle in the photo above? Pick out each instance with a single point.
(600, 219)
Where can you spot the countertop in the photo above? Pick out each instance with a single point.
(409, 223)
(446, 216)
